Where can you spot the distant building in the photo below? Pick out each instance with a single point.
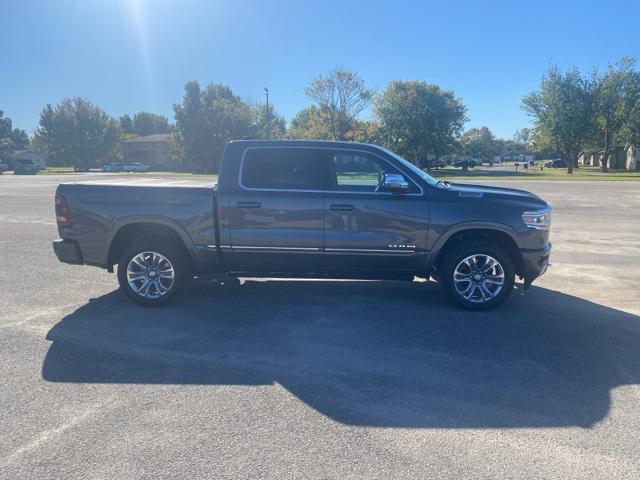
(619, 159)
(39, 158)
(633, 158)
(153, 150)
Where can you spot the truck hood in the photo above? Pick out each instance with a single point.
(494, 193)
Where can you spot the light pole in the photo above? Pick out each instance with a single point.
(268, 113)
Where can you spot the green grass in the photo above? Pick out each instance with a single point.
(534, 173)
(56, 171)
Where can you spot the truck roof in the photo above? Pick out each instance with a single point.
(305, 143)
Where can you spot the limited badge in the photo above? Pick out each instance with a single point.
(470, 194)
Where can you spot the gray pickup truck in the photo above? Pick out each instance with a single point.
(307, 209)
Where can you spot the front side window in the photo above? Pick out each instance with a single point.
(283, 169)
(358, 172)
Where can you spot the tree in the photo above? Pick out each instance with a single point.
(206, 120)
(268, 124)
(310, 123)
(562, 112)
(341, 95)
(314, 123)
(146, 123)
(126, 124)
(419, 118)
(364, 131)
(616, 102)
(479, 143)
(6, 142)
(77, 132)
(19, 138)
(523, 138)
(631, 130)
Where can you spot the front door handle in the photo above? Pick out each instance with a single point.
(341, 207)
(248, 204)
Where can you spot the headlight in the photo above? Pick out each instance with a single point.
(538, 219)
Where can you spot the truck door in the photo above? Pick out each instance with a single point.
(367, 229)
(276, 213)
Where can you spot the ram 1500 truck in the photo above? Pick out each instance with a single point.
(307, 209)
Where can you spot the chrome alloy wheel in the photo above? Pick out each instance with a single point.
(150, 274)
(478, 278)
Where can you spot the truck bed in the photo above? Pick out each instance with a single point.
(102, 208)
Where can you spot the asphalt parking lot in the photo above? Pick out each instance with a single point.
(324, 379)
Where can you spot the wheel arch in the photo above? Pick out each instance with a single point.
(497, 234)
(128, 231)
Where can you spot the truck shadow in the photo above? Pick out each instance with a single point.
(378, 354)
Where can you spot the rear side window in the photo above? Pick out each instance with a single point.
(284, 168)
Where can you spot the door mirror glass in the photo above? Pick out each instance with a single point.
(394, 182)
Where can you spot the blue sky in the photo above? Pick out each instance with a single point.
(128, 55)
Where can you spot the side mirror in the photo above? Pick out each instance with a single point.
(394, 182)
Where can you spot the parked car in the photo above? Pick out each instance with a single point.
(135, 167)
(556, 164)
(3, 168)
(435, 163)
(307, 209)
(466, 163)
(113, 167)
(524, 165)
(25, 167)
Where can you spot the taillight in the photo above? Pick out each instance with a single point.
(63, 217)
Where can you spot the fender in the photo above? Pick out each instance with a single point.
(167, 222)
(459, 227)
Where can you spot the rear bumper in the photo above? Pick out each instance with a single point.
(535, 263)
(68, 251)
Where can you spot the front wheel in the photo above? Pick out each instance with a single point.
(477, 276)
(152, 273)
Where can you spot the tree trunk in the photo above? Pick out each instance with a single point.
(572, 161)
(604, 161)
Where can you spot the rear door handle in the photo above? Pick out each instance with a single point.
(248, 205)
(341, 207)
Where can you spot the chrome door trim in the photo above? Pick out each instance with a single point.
(367, 250)
(318, 249)
(255, 247)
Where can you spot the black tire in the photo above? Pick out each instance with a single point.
(177, 259)
(458, 254)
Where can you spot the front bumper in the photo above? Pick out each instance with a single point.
(68, 251)
(535, 263)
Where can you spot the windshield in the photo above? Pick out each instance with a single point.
(421, 173)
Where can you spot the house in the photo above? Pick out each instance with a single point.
(153, 150)
(618, 159)
(632, 160)
(38, 158)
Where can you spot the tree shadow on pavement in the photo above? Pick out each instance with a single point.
(381, 354)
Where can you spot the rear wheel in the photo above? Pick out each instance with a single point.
(477, 276)
(153, 272)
